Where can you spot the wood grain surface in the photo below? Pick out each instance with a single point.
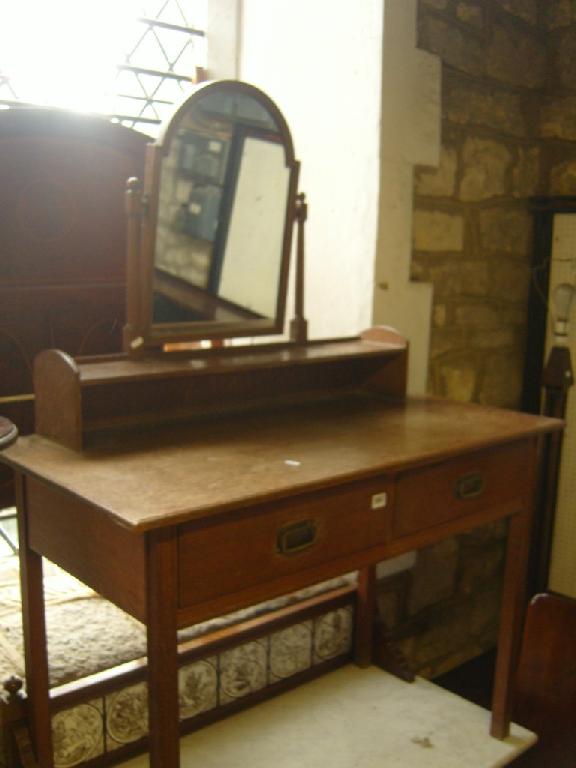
(161, 477)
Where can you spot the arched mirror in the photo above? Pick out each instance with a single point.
(219, 199)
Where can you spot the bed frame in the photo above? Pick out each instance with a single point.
(101, 720)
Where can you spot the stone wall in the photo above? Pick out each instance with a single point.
(508, 109)
(445, 610)
(557, 119)
(472, 230)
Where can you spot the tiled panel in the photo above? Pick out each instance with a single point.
(126, 715)
(78, 734)
(333, 634)
(290, 651)
(243, 670)
(198, 687)
(88, 730)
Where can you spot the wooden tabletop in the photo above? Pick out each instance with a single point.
(154, 478)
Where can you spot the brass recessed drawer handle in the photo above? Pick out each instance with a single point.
(296, 537)
(469, 486)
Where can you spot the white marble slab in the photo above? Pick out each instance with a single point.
(354, 718)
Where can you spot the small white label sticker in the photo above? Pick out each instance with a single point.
(215, 146)
(379, 500)
(137, 342)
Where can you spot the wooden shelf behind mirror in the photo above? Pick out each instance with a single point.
(78, 399)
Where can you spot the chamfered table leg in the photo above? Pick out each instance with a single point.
(511, 622)
(162, 650)
(34, 629)
(365, 616)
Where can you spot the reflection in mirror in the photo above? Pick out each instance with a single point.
(222, 206)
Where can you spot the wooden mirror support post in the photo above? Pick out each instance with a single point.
(299, 325)
(134, 212)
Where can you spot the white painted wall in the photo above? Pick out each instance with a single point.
(320, 60)
(410, 136)
(363, 106)
(223, 30)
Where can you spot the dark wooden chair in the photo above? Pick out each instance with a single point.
(546, 682)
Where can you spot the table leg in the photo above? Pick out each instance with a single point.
(34, 629)
(511, 621)
(162, 650)
(365, 617)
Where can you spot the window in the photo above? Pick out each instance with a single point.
(130, 60)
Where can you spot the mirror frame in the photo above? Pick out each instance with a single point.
(140, 332)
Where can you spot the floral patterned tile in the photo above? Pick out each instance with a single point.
(243, 670)
(198, 687)
(126, 715)
(78, 734)
(88, 730)
(333, 634)
(290, 651)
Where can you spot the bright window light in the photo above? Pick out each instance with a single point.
(67, 53)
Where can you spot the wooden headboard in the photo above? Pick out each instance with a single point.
(62, 244)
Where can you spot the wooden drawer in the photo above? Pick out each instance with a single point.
(433, 495)
(274, 540)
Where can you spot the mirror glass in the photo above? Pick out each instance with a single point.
(221, 236)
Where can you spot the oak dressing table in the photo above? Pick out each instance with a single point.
(186, 484)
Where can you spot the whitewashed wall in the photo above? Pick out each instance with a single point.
(321, 61)
(410, 136)
(354, 90)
